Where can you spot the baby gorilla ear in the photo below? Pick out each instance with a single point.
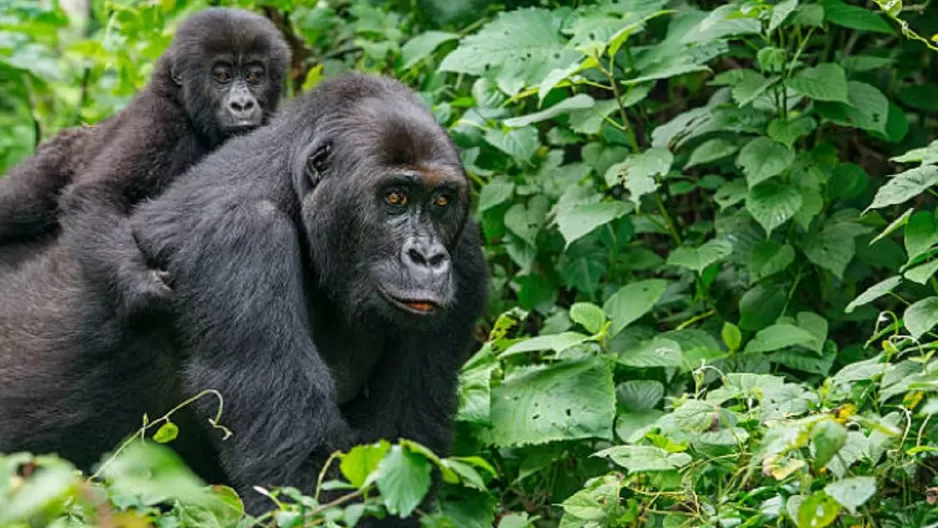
(317, 163)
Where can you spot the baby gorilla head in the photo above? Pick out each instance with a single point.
(385, 200)
(230, 65)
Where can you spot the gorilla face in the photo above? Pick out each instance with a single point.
(384, 208)
(236, 87)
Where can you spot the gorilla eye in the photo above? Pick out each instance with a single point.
(317, 163)
(396, 198)
(222, 76)
(441, 200)
(254, 76)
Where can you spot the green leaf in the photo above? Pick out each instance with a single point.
(697, 259)
(902, 220)
(564, 401)
(665, 71)
(588, 315)
(771, 59)
(778, 336)
(817, 511)
(555, 342)
(640, 395)
(710, 151)
(421, 46)
(403, 480)
(769, 257)
(834, 247)
(475, 387)
(921, 274)
(731, 193)
(655, 352)
(577, 102)
(874, 292)
(495, 193)
(638, 172)
(645, 459)
(578, 221)
(762, 159)
(905, 186)
(921, 233)
(633, 301)
(824, 82)
(761, 306)
(361, 461)
(526, 220)
(519, 143)
(854, 17)
(925, 155)
(809, 15)
(584, 272)
(849, 181)
(166, 433)
(864, 63)
(780, 12)
(851, 493)
(751, 87)
(868, 109)
(787, 132)
(772, 204)
(921, 317)
(829, 437)
(731, 335)
(519, 49)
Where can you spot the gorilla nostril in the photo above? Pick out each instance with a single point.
(416, 257)
(438, 260)
(248, 105)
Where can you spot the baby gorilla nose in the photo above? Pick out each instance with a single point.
(242, 107)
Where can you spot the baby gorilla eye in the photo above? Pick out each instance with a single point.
(396, 198)
(222, 76)
(254, 76)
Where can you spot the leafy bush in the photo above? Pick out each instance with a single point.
(712, 233)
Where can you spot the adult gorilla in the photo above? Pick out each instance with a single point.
(221, 76)
(327, 279)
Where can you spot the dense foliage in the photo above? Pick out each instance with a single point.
(713, 237)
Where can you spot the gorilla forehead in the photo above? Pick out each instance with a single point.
(219, 31)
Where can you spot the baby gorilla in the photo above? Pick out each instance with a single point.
(222, 76)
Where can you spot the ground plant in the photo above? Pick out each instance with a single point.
(712, 229)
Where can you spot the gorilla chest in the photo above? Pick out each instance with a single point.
(352, 359)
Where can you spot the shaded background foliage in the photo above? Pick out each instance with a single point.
(712, 233)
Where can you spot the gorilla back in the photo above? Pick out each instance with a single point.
(327, 276)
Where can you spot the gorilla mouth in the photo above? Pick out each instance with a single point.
(415, 306)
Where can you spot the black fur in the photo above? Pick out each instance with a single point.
(277, 244)
(87, 180)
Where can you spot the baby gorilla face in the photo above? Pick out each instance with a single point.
(237, 89)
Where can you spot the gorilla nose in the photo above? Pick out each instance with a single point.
(426, 256)
(242, 107)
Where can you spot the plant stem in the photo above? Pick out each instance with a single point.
(672, 228)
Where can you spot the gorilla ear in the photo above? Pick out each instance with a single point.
(317, 163)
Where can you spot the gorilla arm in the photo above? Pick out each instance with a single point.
(237, 269)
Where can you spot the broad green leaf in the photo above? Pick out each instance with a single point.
(724, 21)
(780, 12)
(762, 159)
(564, 401)
(403, 480)
(868, 108)
(731, 335)
(921, 317)
(863, 63)
(925, 155)
(769, 257)
(853, 492)
(421, 46)
(644, 459)
(580, 220)
(631, 426)
(361, 461)
(494, 193)
(817, 511)
(638, 172)
(761, 306)
(921, 233)
(166, 433)
(731, 193)
(526, 220)
(475, 387)
(633, 301)
(519, 143)
(592, 503)
(824, 82)
(555, 342)
(665, 71)
(778, 336)
(588, 315)
(854, 17)
(584, 272)
(902, 220)
(751, 87)
(787, 132)
(640, 395)
(829, 437)
(811, 15)
(874, 292)
(834, 247)
(655, 352)
(815, 325)
(577, 102)
(518, 49)
(905, 186)
(771, 59)
(772, 204)
(697, 259)
(710, 151)
(921, 274)
(849, 181)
